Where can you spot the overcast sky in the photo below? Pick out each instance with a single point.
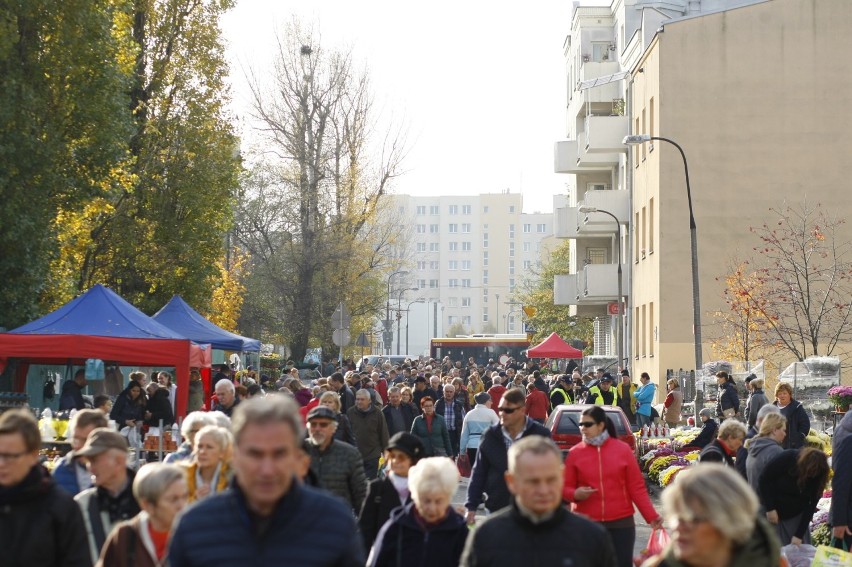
(481, 85)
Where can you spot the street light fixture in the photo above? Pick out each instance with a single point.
(399, 314)
(408, 318)
(636, 139)
(387, 322)
(619, 336)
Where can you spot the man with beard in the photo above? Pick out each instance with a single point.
(336, 465)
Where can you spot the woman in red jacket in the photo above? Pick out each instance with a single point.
(603, 482)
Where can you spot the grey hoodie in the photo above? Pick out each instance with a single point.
(843, 429)
(761, 450)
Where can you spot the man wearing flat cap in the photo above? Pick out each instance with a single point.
(111, 499)
(337, 465)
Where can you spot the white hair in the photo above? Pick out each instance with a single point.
(220, 419)
(431, 475)
(227, 383)
(196, 420)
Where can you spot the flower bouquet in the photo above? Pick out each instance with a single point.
(841, 397)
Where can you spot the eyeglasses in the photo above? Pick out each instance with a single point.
(320, 424)
(509, 410)
(587, 424)
(11, 456)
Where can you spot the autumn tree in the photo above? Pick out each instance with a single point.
(536, 290)
(802, 271)
(312, 216)
(158, 230)
(64, 125)
(228, 295)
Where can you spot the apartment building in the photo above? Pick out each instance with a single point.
(605, 41)
(470, 253)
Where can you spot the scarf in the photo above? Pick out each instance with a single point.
(429, 419)
(598, 440)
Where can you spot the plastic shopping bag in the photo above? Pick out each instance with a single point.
(830, 556)
(799, 555)
(657, 543)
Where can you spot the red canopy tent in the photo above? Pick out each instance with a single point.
(100, 324)
(554, 347)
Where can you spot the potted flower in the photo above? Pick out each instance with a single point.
(841, 397)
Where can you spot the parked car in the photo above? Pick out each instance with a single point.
(564, 427)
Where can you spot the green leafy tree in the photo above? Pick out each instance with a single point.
(537, 291)
(64, 125)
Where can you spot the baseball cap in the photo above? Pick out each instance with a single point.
(607, 377)
(101, 440)
(322, 412)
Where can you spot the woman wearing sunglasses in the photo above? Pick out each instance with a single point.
(603, 482)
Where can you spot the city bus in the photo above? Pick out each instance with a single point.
(480, 347)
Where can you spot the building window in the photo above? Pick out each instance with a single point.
(485, 258)
(484, 314)
(421, 209)
(527, 264)
(527, 246)
(452, 301)
(452, 320)
(511, 231)
(600, 51)
(433, 265)
(421, 284)
(485, 240)
(466, 247)
(434, 210)
(421, 265)
(454, 282)
(421, 247)
(433, 247)
(466, 210)
(541, 228)
(401, 210)
(433, 229)
(511, 249)
(466, 320)
(454, 228)
(453, 265)
(651, 226)
(485, 209)
(511, 284)
(454, 209)
(465, 301)
(433, 284)
(511, 208)
(485, 277)
(595, 255)
(465, 264)
(466, 228)
(527, 227)
(466, 283)
(454, 246)
(421, 229)
(511, 267)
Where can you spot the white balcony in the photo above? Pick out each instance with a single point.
(605, 133)
(602, 94)
(570, 156)
(567, 222)
(615, 202)
(594, 284)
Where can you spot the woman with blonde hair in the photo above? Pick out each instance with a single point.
(210, 469)
(712, 517)
(765, 447)
(474, 386)
(344, 428)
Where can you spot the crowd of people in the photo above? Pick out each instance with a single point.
(360, 467)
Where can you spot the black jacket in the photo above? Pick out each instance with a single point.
(161, 408)
(841, 484)
(458, 411)
(727, 398)
(344, 430)
(71, 397)
(403, 541)
(707, 434)
(40, 524)
(125, 409)
(408, 415)
(381, 499)
(509, 538)
(798, 425)
(714, 452)
(779, 491)
(492, 462)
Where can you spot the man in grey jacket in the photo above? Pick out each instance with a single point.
(337, 465)
(371, 431)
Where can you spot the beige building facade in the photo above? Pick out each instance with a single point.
(758, 97)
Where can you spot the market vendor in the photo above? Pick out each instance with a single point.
(72, 392)
(708, 430)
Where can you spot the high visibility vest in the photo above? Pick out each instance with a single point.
(595, 394)
(558, 391)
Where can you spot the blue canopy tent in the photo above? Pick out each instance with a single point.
(100, 324)
(178, 316)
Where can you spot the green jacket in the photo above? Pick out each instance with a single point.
(437, 443)
(761, 550)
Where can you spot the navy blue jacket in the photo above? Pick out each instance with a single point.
(402, 541)
(309, 528)
(707, 434)
(841, 485)
(492, 462)
(798, 425)
(728, 398)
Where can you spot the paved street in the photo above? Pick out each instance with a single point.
(643, 530)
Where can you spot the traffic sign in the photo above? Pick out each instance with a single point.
(528, 328)
(362, 340)
(529, 310)
(340, 337)
(341, 318)
(612, 308)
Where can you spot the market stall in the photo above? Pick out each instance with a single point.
(554, 347)
(100, 324)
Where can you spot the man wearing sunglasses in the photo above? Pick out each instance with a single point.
(492, 462)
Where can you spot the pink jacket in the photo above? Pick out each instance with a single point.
(611, 469)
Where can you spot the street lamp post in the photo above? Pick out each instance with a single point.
(387, 322)
(408, 318)
(619, 336)
(399, 315)
(693, 237)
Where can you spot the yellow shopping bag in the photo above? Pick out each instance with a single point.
(827, 556)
